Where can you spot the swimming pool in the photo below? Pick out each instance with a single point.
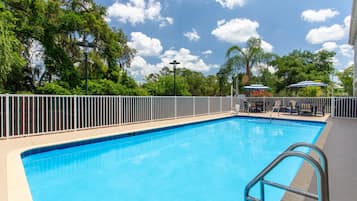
(209, 161)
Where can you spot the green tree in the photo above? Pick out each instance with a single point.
(10, 47)
(196, 81)
(346, 78)
(164, 86)
(58, 26)
(302, 65)
(247, 58)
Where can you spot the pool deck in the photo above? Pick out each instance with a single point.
(339, 147)
(341, 151)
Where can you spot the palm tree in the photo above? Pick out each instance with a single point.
(238, 58)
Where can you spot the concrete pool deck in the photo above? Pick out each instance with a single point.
(13, 183)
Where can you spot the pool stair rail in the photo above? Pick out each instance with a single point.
(320, 169)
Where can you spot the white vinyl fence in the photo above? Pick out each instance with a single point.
(344, 107)
(338, 107)
(22, 115)
(268, 102)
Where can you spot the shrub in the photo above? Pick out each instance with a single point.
(53, 88)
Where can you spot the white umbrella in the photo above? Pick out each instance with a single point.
(256, 86)
(307, 84)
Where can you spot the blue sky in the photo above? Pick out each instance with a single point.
(198, 32)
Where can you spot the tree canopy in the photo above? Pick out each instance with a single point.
(346, 77)
(39, 53)
(56, 26)
(303, 65)
(246, 58)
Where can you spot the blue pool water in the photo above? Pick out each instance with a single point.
(210, 161)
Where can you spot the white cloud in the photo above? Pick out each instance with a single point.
(207, 52)
(334, 32)
(187, 60)
(322, 34)
(239, 31)
(231, 4)
(259, 67)
(137, 11)
(192, 36)
(329, 46)
(140, 67)
(220, 22)
(267, 47)
(347, 22)
(236, 30)
(166, 21)
(346, 50)
(318, 15)
(145, 45)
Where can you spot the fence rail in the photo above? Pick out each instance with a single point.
(338, 107)
(22, 115)
(268, 102)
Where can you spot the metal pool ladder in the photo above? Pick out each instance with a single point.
(321, 172)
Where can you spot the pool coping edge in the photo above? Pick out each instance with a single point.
(305, 174)
(16, 181)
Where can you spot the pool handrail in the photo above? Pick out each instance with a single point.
(319, 152)
(321, 174)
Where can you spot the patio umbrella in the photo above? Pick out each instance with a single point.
(307, 84)
(256, 86)
(253, 87)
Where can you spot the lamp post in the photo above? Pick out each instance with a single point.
(220, 76)
(86, 45)
(236, 91)
(286, 75)
(174, 63)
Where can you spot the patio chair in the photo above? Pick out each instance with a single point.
(305, 109)
(319, 109)
(293, 107)
(276, 106)
(247, 106)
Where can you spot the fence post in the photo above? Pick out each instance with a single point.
(220, 106)
(151, 106)
(209, 105)
(231, 98)
(175, 107)
(7, 117)
(332, 107)
(75, 112)
(194, 106)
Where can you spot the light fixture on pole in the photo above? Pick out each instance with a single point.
(174, 63)
(86, 45)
